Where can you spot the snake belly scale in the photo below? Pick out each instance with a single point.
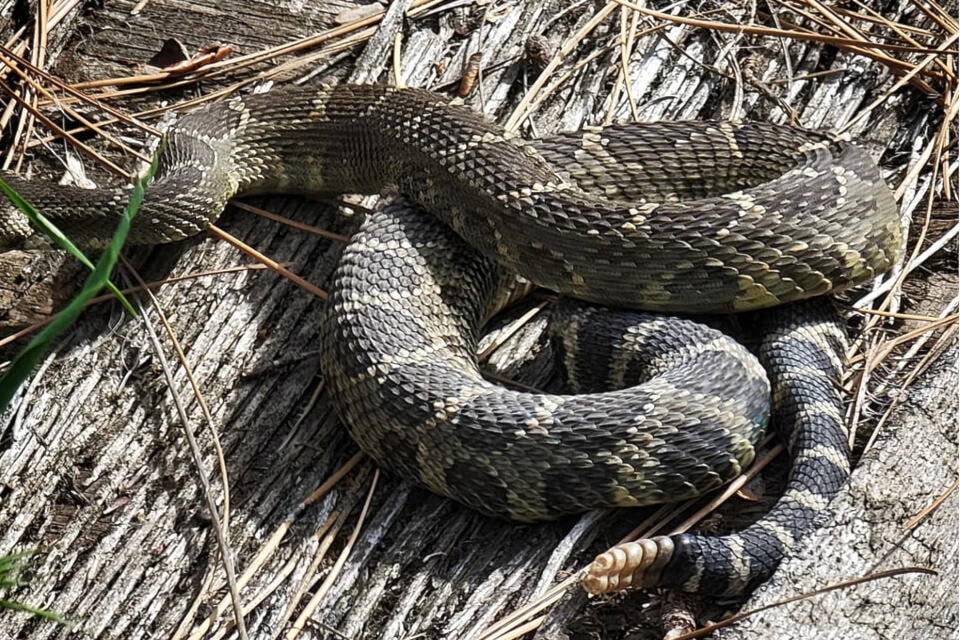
(680, 217)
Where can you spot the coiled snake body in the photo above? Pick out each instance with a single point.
(693, 217)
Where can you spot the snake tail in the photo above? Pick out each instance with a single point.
(801, 348)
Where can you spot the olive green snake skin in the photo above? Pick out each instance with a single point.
(681, 217)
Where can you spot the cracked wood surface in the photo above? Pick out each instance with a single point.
(93, 463)
(911, 463)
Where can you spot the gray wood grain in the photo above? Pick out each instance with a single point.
(93, 463)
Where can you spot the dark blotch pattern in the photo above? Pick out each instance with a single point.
(401, 368)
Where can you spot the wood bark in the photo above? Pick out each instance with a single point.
(94, 465)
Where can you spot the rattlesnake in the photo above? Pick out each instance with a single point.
(680, 217)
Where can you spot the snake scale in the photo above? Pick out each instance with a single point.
(687, 217)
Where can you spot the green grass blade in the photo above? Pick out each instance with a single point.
(27, 359)
(58, 237)
(10, 564)
(43, 613)
(13, 561)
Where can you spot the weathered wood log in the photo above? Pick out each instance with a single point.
(870, 529)
(94, 465)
